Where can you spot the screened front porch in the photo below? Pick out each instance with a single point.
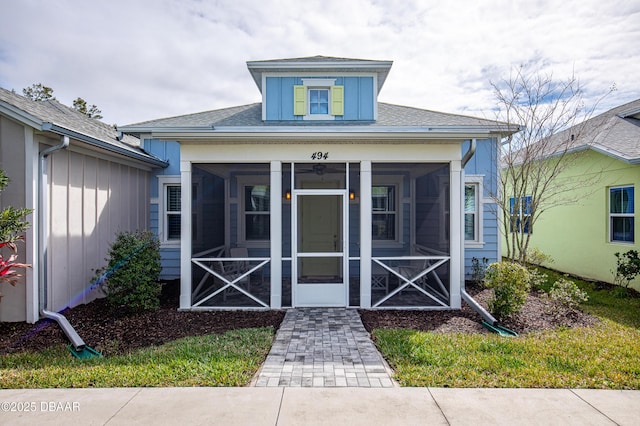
(357, 234)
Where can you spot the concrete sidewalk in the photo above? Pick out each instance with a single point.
(318, 406)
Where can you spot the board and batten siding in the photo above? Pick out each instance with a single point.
(12, 161)
(91, 200)
(359, 97)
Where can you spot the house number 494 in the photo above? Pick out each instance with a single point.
(320, 155)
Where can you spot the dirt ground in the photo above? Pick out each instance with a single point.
(115, 333)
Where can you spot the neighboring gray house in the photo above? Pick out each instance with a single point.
(89, 190)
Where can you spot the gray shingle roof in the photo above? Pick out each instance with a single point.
(615, 132)
(389, 115)
(38, 113)
(318, 64)
(317, 58)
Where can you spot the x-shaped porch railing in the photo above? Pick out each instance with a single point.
(409, 276)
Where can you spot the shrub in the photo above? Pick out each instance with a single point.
(130, 280)
(627, 268)
(536, 257)
(537, 279)
(511, 283)
(567, 294)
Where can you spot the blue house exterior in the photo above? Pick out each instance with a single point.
(322, 196)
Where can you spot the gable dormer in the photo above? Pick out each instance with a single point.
(319, 88)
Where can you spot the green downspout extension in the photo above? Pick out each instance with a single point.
(489, 321)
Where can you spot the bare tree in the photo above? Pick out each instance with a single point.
(551, 115)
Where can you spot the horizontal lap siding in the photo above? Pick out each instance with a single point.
(170, 151)
(91, 200)
(170, 258)
(483, 163)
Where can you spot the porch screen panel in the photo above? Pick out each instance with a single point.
(230, 248)
(321, 175)
(286, 235)
(410, 235)
(432, 224)
(354, 234)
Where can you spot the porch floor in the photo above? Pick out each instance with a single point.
(323, 347)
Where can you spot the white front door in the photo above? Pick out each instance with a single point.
(320, 267)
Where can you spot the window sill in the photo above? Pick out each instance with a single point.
(623, 243)
(170, 244)
(324, 117)
(474, 244)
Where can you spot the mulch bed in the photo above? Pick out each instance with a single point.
(112, 332)
(536, 315)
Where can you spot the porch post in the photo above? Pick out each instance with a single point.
(276, 234)
(456, 226)
(185, 235)
(365, 234)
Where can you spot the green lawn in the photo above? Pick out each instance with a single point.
(605, 356)
(230, 359)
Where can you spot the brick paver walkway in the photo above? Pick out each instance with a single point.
(323, 347)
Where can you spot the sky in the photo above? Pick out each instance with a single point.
(139, 60)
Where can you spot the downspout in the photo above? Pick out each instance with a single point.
(43, 231)
(486, 316)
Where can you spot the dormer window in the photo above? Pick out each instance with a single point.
(318, 99)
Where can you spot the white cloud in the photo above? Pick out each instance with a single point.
(140, 60)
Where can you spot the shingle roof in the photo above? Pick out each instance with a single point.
(615, 132)
(317, 58)
(389, 115)
(319, 63)
(38, 113)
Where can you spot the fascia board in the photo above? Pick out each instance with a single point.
(380, 68)
(20, 115)
(270, 65)
(130, 153)
(326, 134)
(614, 154)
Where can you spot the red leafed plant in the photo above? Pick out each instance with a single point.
(8, 267)
(8, 272)
(12, 225)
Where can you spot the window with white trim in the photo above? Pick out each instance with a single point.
(385, 214)
(318, 99)
(256, 212)
(520, 209)
(471, 216)
(621, 214)
(172, 213)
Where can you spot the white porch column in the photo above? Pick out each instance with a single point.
(276, 234)
(185, 235)
(365, 234)
(456, 225)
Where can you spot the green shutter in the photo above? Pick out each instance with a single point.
(337, 100)
(299, 100)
